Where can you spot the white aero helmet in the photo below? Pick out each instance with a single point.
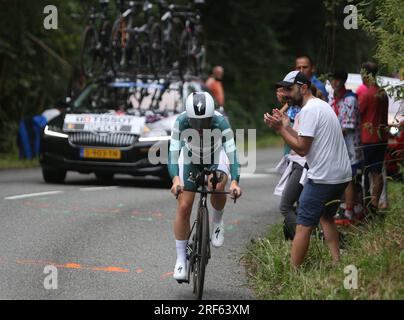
(200, 108)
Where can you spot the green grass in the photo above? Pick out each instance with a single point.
(377, 250)
(269, 140)
(11, 161)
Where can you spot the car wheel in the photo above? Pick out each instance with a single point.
(53, 175)
(105, 178)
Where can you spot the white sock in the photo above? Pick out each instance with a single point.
(181, 246)
(217, 216)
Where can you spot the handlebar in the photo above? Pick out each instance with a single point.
(214, 180)
(178, 192)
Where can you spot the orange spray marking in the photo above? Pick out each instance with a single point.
(166, 275)
(112, 269)
(74, 266)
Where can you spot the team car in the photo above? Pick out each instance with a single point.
(114, 127)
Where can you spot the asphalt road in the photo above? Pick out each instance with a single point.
(116, 242)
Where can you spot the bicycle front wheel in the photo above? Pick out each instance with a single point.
(203, 251)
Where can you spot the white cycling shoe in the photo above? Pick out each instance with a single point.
(181, 271)
(217, 239)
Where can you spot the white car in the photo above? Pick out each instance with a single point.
(396, 107)
(395, 150)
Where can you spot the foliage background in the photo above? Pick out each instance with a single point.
(256, 41)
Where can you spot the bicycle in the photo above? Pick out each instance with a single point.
(165, 37)
(130, 45)
(192, 46)
(94, 56)
(178, 40)
(199, 247)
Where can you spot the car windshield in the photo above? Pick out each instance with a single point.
(129, 96)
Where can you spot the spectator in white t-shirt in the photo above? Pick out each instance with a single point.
(320, 140)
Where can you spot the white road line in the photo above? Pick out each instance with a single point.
(254, 175)
(98, 188)
(30, 195)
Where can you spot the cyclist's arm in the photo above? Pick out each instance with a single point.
(174, 152)
(229, 146)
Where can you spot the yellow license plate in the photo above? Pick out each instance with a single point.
(101, 154)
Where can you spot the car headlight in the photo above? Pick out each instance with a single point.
(53, 133)
(394, 131)
(150, 135)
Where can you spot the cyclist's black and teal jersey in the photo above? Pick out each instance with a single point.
(176, 167)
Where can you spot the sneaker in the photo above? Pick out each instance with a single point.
(349, 214)
(342, 220)
(217, 235)
(181, 271)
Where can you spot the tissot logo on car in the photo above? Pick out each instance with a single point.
(103, 123)
(103, 119)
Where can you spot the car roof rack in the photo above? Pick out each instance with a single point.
(163, 78)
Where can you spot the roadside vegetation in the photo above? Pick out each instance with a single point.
(269, 140)
(12, 161)
(376, 250)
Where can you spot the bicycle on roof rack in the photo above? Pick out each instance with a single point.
(178, 39)
(94, 55)
(144, 41)
(130, 45)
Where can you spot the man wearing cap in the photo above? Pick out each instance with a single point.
(318, 138)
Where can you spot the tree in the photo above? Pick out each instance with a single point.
(388, 31)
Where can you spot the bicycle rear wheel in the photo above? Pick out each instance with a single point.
(89, 56)
(105, 37)
(203, 252)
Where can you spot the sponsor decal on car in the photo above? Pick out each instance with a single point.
(103, 123)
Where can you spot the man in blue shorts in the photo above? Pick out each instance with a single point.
(320, 140)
